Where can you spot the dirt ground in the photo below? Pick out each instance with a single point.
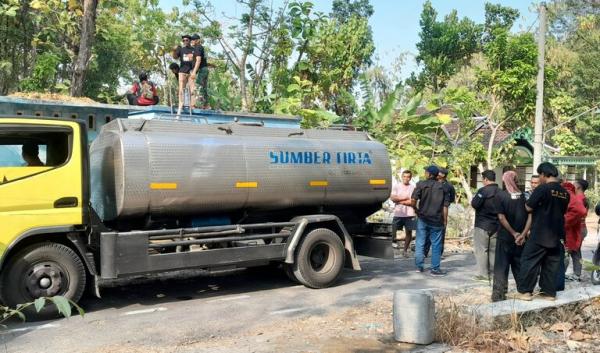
(368, 328)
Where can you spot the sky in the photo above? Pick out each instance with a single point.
(395, 23)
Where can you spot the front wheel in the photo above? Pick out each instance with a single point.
(42, 270)
(319, 259)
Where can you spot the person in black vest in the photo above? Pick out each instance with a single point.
(486, 225)
(431, 203)
(515, 222)
(542, 252)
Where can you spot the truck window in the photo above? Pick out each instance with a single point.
(32, 151)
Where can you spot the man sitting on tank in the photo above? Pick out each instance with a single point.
(30, 154)
(143, 92)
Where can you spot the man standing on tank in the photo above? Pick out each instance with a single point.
(202, 70)
(187, 70)
(432, 204)
(541, 255)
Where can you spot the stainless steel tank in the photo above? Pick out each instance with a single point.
(171, 168)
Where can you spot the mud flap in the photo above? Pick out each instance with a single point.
(375, 241)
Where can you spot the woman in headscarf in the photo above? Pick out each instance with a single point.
(515, 223)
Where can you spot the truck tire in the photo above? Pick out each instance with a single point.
(42, 270)
(595, 277)
(319, 258)
(288, 269)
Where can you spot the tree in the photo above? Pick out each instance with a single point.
(88, 29)
(253, 40)
(343, 10)
(507, 81)
(444, 47)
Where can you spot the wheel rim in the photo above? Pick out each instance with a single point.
(46, 279)
(321, 257)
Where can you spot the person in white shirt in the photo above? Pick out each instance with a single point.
(404, 213)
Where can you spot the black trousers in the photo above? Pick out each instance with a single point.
(538, 260)
(508, 257)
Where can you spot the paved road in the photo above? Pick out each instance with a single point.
(170, 311)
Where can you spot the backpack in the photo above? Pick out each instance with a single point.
(146, 90)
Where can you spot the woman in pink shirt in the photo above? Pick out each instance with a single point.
(404, 213)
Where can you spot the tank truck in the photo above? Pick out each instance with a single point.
(150, 196)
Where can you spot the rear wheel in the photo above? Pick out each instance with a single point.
(319, 258)
(596, 277)
(42, 270)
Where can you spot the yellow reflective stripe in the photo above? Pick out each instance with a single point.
(318, 183)
(163, 186)
(246, 184)
(377, 181)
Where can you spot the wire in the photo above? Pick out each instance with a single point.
(533, 23)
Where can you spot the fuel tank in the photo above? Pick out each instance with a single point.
(174, 168)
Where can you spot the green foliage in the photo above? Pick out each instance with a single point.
(444, 47)
(568, 142)
(342, 10)
(44, 75)
(62, 304)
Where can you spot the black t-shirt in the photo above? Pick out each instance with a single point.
(486, 215)
(432, 199)
(187, 57)
(512, 206)
(200, 53)
(549, 203)
(449, 189)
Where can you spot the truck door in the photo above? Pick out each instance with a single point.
(40, 177)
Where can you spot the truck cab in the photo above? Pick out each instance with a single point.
(43, 193)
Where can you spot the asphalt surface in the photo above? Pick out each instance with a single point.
(171, 310)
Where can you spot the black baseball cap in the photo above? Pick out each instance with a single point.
(433, 170)
(443, 171)
(186, 36)
(195, 37)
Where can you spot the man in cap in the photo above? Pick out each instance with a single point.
(449, 189)
(432, 204)
(486, 226)
(202, 70)
(187, 70)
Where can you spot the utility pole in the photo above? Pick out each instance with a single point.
(539, 101)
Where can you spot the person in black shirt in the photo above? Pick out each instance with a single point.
(202, 69)
(486, 225)
(449, 189)
(432, 212)
(187, 70)
(515, 222)
(541, 254)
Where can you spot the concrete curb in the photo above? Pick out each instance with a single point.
(512, 306)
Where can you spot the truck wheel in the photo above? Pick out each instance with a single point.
(289, 272)
(42, 270)
(596, 277)
(319, 258)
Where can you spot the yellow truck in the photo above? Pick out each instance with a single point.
(155, 196)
